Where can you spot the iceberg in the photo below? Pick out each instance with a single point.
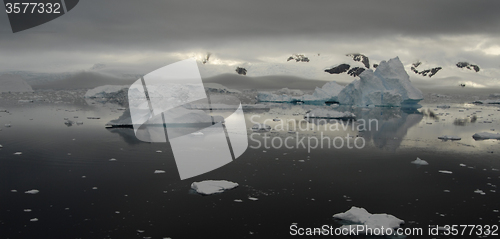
(419, 161)
(357, 215)
(328, 93)
(329, 114)
(209, 187)
(486, 135)
(389, 85)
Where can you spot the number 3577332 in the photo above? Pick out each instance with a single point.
(34, 8)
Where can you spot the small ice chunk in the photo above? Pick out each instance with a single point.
(112, 159)
(486, 135)
(158, 151)
(14, 191)
(32, 191)
(197, 134)
(447, 137)
(276, 119)
(209, 187)
(419, 161)
(34, 220)
(1, 146)
(238, 200)
(7, 125)
(445, 171)
(479, 191)
(357, 215)
(253, 199)
(159, 171)
(462, 165)
(94, 188)
(93, 117)
(27, 210)
(18, 153)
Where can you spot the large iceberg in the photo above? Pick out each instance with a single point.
(327, 93)
(389, 85)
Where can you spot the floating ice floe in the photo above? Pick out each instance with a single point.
(1, 146)
(32, 191)
(445, 171)
(328, 93)
(197, 134)
(18, 153)
(486, 135)
(261, 127)
(447, 137)
(419, 161)
(106, 91)
(253, 199)
(356, 216)
(329, 114)
(443, 106)
(209, 187)
(479, 191)
(389, 85)
(486, 101)
(7, 125)
(218, 88)
(34, 220)
(238, 200)
(159, 171)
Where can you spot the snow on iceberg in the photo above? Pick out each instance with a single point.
(357, 215)
(419, 161)
(209, 187)
(327, 93)
(486, 135)
(389, 85)
(329, 114)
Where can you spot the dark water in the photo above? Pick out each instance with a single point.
(85, 195)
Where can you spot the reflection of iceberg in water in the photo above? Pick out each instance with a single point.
(393, 125)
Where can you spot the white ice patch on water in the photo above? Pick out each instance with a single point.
(445, 171)
(419, 161)
(209, 187)
(159, 171)
(33, 191)
(357, 215)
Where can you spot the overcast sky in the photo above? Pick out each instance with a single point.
(140, 36)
